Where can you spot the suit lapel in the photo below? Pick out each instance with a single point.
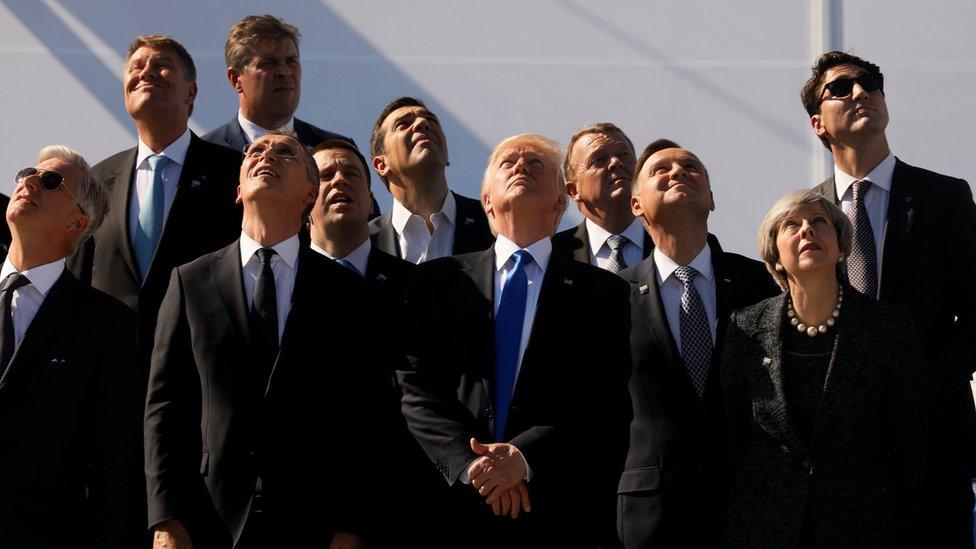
(829, 189)
(581, 253)
(228, 280)
(481, 270)
(235, 137)
(465, 224)
(648, 244)
(651, 310)
(902, 204)
(119, 210)
(385, 237)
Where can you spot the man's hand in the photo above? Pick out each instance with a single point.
(346, 540)
(171, 534)
(500, 468)
(513, 501)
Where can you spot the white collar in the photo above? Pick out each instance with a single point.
(400, 214)
(358, 257)
(252, 131)
(287, 249)
(702, 263)
(540, 249)
(41, 277)
(880, 176)
(175, 151)
(598, 235)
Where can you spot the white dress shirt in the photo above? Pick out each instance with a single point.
(672, 288)
(252, 131)
(359, 257)
(534, 272)
(875, 202)
(417, 244)
(176, 153)
(27, 299)
(284, 265)
(600, 251)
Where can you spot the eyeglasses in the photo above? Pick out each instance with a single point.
(50, 180)
(281, 150)
(842, 87)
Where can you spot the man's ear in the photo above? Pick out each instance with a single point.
(234, 78)
(239, 200)
(380, 165)
(816, 122)
(635, 207)
(79, 223)
(572, 191)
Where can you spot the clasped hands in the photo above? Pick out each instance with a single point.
(499, 476)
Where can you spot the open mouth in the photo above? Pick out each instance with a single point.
(340, 198)
(265, 170)
(809, 247)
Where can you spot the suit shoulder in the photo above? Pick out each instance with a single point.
(748, 318)
(203, 263)
(596, 275)
(567, 241)
(96, 302)
(312, 135)
(217, 136)
(928, 176)
(219, 153)
(745, 265)
(110, 166)
(378, 223)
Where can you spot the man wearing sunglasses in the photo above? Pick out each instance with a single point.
(70, 399)
(915, 247)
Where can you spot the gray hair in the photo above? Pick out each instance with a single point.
(90, 193)
(785, 206)
(304, 155)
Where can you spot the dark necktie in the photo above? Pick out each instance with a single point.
(862, 265)
(7, 339)
(508, 337)
(348, 264)
(696, 335)
(264, 316)
(616, 243)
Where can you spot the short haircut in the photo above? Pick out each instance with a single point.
(605, 128)
(811, 92)
(161, 42)
(651, 148)
(254, 29)
(785, 206)
(379, 134)
(304, 156)
(343, 145)
(547, 146)
(90, 193)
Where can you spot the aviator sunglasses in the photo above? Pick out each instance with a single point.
(842, 87)
(50, 180)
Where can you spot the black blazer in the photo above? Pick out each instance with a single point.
(5, 237)
(575, 243)
(570, 409)
(673, 489)
(69, 425)
(232, 135)
(471, 230)
(202, 218)
(858, 479)
(927, 268)
(212, 426)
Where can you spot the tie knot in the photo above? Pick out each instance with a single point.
(157, 162)
(348, 264)
(617, 241)
(861, 188)
(685, 274)
(265, 255)
(13, 282)
(522, 258)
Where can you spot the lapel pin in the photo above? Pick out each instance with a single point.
(469, 221)
(644, 289)
(568, 281)
(727, 281)
(57, 362)
(195, 184)
(381, 277)
(767, 361)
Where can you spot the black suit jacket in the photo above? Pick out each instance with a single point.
(569, 412)
(5, 237)
(70, 402)
(857, 481)
(232, 135)
(471, 230)
(927, 267)
(202, 218)
(212, 426)
(575, 243)
(672, 491)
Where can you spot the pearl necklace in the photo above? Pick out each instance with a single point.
(814, 330)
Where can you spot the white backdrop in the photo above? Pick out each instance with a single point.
(723, 78)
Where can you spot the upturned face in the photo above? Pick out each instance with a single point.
(672, 179)
(344, 194)
(806, 242)
(44, 212)
(412, 138)
(155, 84)
(857, 113)
(523, 178)
(604, 166)
(273, 172)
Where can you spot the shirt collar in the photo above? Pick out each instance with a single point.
(358, 257)
(287, 249)
(540, 249)
(702, 263)
(175, 151)
(252, 131)
(880, 176)
(401, 215)
(598, 235)
(41, 277)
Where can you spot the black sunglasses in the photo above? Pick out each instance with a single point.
(842, 87)
(50, 180)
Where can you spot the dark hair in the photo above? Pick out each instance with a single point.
(811, 92)
(376, 138)
(251, 30)
(569, 169)
(159, 42)
(342, 144)
(653, 147)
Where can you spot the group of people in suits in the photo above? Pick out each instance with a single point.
(189, 353)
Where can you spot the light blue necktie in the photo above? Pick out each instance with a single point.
(150, 216)
(508, 337)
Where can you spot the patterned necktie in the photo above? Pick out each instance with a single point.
(264, 316)
(7, 339)
(616, 243)
(862, 265)
(696, 335)
(508, 337)
(150, 216)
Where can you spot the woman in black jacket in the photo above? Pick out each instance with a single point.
(824, 392)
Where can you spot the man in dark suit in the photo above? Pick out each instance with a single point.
(257, 343)
(427, 220)
(172, 196)
(673, 490)
(598, 167)
(495, 393)
(915, 247)
(69, 389)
